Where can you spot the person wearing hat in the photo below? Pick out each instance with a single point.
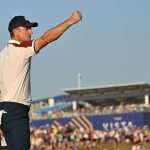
(15, 61)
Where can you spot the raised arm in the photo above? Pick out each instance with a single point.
(54, 33)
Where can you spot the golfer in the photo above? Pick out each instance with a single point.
(15, 65)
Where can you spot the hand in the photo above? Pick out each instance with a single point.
(75, 17)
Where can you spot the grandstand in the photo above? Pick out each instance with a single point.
(112, 94)
(105, 107)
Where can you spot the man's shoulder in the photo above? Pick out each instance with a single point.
(3, 50)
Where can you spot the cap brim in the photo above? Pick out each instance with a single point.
(33, 24)
(30, 24)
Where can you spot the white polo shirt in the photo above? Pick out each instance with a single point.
(15, 61)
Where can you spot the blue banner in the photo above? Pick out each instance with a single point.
(103, 122)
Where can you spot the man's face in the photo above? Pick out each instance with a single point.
(23, 34)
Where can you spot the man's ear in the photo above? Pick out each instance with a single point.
(14, 31)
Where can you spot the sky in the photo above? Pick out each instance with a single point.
(111, 45)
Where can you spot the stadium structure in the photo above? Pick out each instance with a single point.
(98, 107)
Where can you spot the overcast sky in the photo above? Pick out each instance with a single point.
(111, 45)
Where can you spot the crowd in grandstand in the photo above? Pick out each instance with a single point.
(67, 137)
(94, 110)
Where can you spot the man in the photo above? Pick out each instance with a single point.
(15, 60)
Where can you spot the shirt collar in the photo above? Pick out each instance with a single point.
(14, 42)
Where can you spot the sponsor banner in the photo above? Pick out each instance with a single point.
(49, 122)
(115, 121)
(101, 122)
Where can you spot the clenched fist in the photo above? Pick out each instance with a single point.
(75, 17)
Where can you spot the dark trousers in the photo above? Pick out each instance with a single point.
(15, 125)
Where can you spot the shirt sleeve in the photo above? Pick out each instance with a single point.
(27, 49)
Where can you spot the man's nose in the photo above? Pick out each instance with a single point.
(30, 31)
